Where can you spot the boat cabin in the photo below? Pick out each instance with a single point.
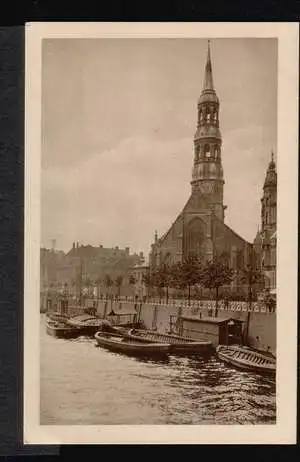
(122, 317)
(219, 331)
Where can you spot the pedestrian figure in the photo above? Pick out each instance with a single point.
(226, 303)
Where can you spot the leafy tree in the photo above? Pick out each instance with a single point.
(132, 280)
(163, 278)
(98, 281)
(251, 276)
(160, 277)
(77, 282)
(147, 280)
(88, 284)
(214, 275)
(108, 282)
(118, 283)
(186, 274)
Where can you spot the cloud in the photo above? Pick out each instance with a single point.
(119, 196)
(245, 161)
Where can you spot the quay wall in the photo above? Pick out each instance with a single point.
(162, 317)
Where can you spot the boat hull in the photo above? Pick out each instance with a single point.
(119, 344)
(178, 345)
(251, 361)
(61, 331)
(89, 325)
(57, 317)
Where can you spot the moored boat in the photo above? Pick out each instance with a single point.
(61, 329)
(56, 316)
(120, 344)
(247, 359)
(88, 324)
(178, 344)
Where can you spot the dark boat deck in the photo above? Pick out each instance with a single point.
(120, 344)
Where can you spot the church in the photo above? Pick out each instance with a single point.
(199, 229)
(265, 243)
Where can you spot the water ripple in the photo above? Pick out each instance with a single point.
(84, 385)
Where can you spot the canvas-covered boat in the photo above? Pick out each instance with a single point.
(88, 324)
(61, 329)
(120, 344)
(246, 359)
(178, 344)
(57, 316)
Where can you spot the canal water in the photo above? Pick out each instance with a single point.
(82, 384)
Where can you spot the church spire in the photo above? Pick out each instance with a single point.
(208, 78)
(207, 173)
(271, 176)
(272, 165)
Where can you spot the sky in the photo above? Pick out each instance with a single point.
(118, 121)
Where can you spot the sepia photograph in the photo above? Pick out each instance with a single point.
(155, 265)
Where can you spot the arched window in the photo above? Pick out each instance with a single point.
(195, 235)
(207, 150)
(208, 116)
(216, 151)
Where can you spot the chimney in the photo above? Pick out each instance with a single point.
(53, 244)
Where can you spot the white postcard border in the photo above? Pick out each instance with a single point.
(287, 231)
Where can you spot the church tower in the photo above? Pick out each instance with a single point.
(269, 199)
(207, 174)
(199, 229)
(265, 243)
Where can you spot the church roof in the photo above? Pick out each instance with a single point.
(231, 230)
(180, 215)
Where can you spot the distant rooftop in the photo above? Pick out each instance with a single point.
(90, 251)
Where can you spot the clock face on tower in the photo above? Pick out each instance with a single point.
(206, 187)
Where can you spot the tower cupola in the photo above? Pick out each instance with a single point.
(207, 174)
(269, 199)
